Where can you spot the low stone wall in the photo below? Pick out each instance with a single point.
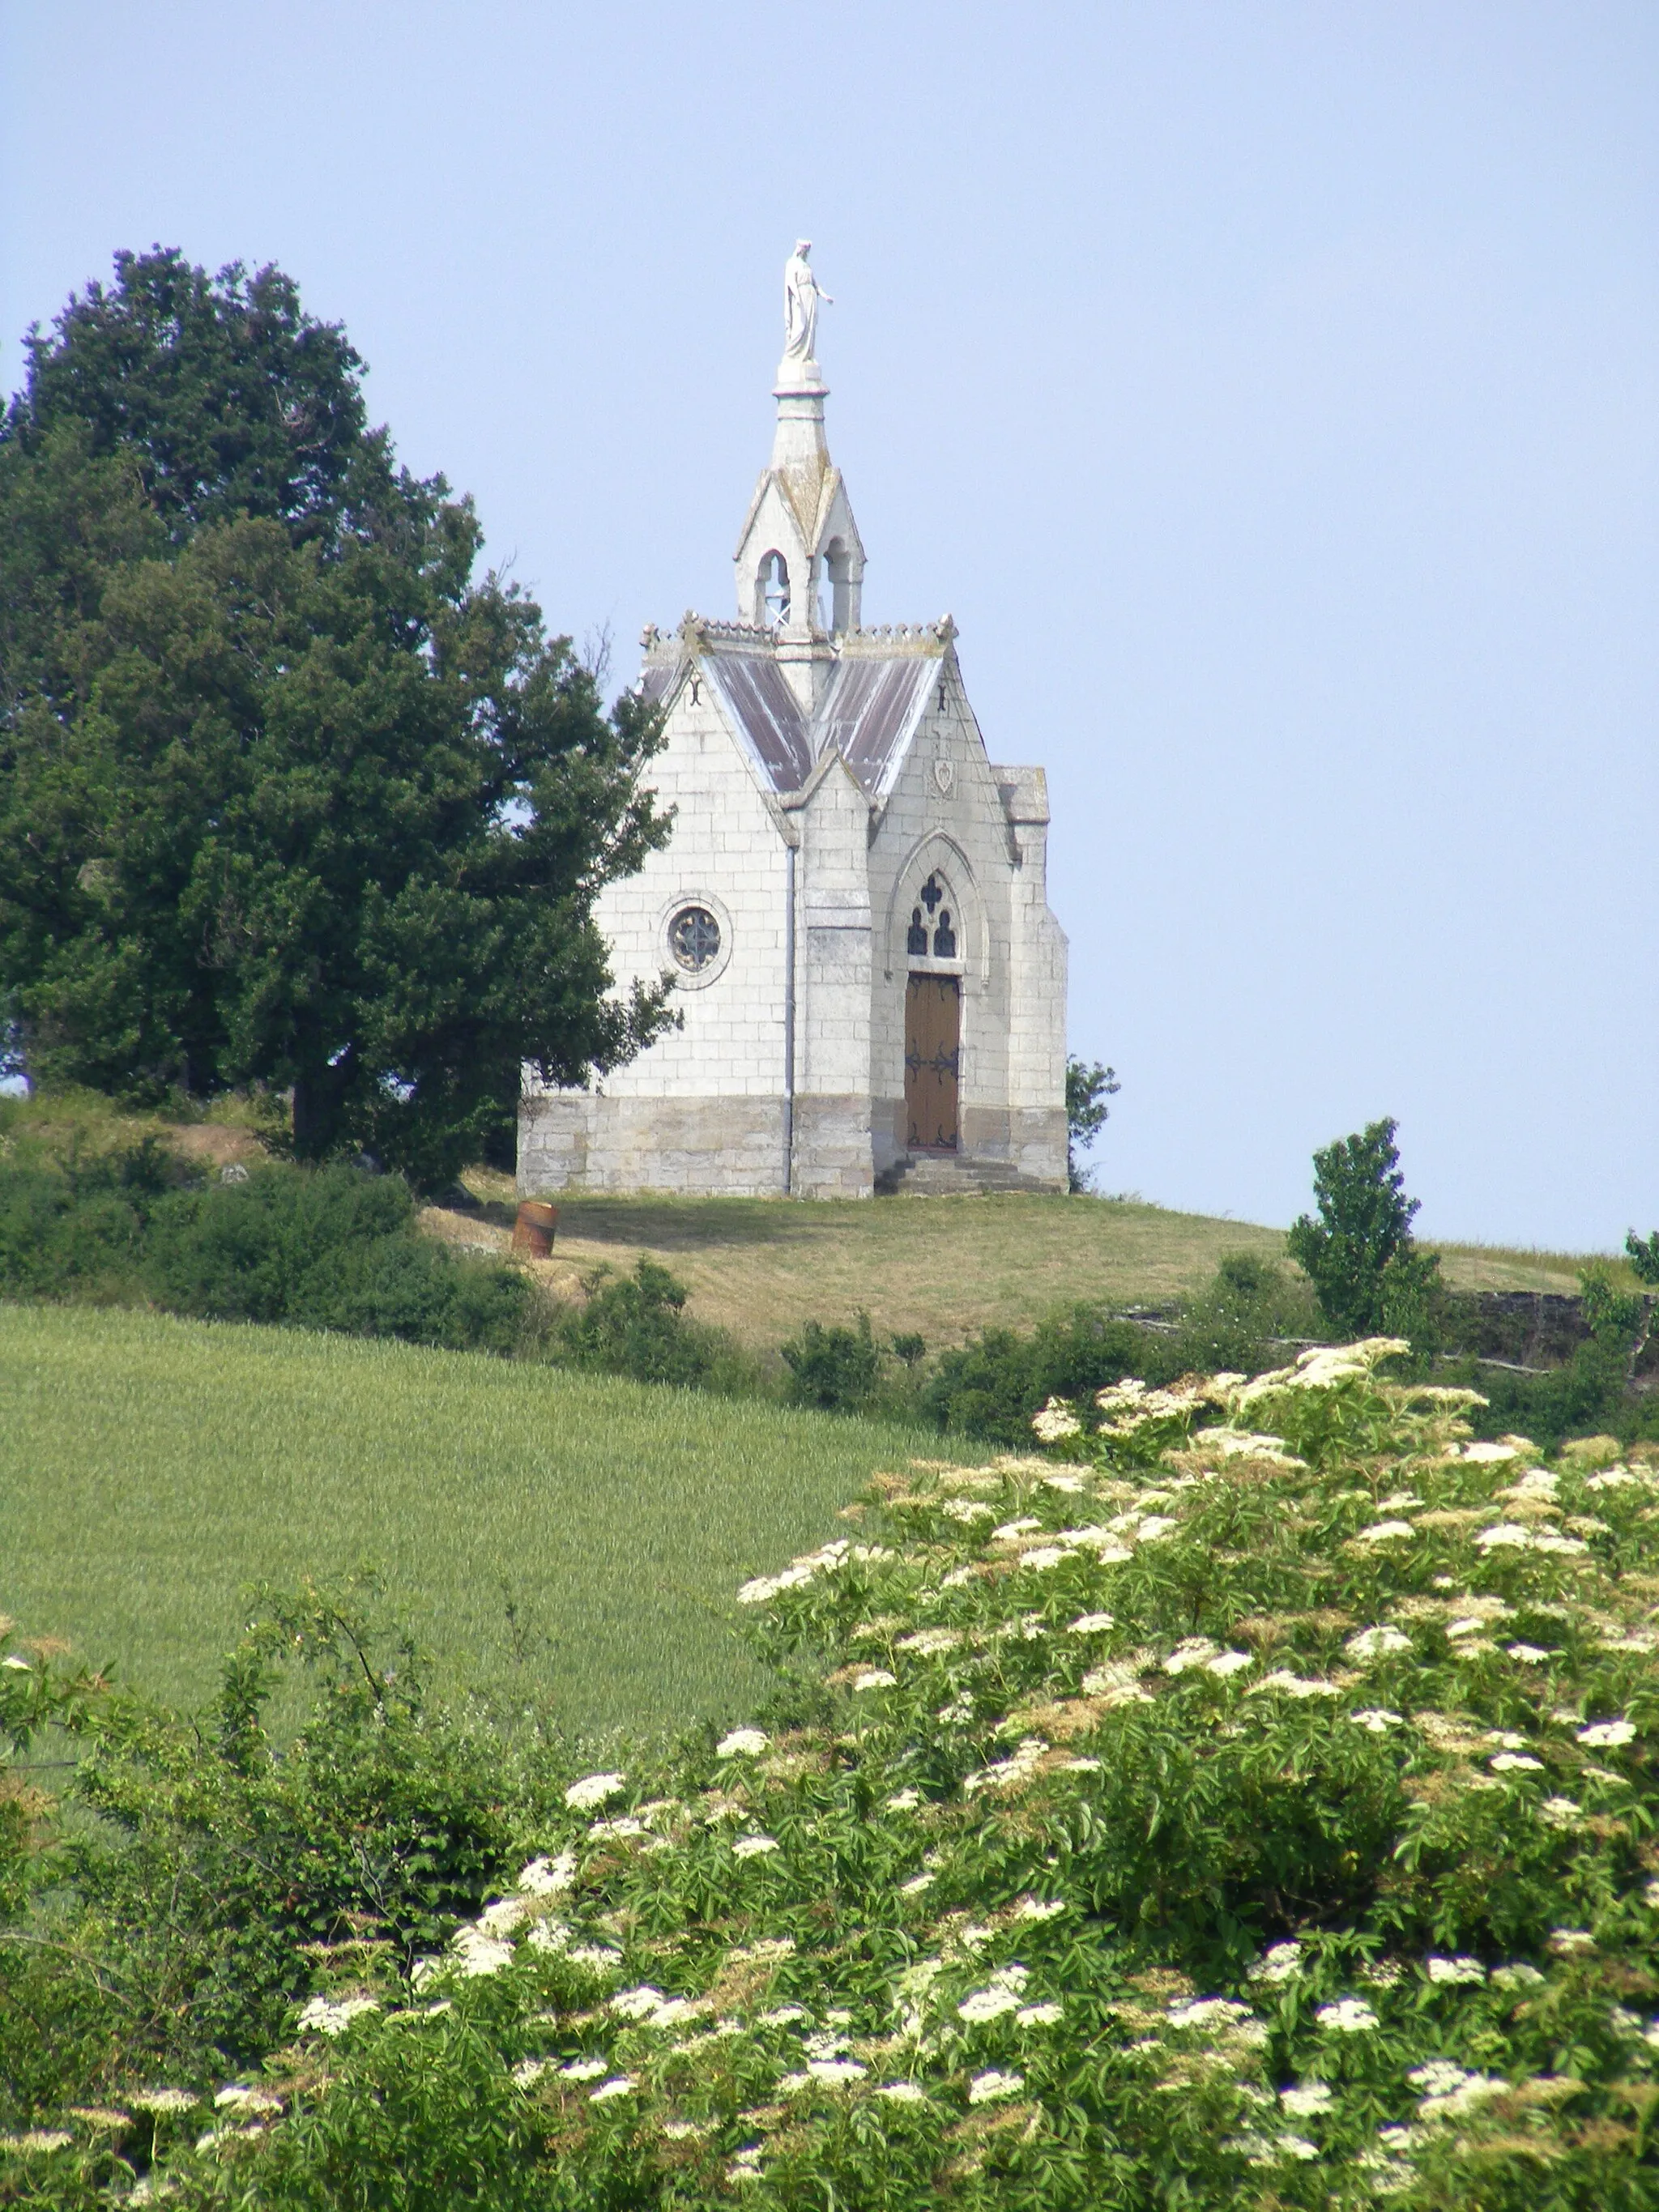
(1527, 1329)
(1530, 1329)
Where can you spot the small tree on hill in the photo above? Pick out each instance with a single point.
(1087, 1090)
(1359, 1255)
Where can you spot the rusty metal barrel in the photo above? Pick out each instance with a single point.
(534, 1230)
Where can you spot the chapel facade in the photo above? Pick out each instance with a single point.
(852, 904)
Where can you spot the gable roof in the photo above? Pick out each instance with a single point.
(875, 694)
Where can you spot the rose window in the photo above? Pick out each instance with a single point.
(694, 939)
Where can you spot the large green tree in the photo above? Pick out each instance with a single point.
(290, 794)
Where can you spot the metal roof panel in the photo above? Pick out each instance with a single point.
(765, 713)
(870, 710)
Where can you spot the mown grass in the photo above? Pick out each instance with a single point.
(1513, 1267)
(947, 1267)
(566, 1541)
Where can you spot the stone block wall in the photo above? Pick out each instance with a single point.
(707, 1107)
(706, 1147)
(726, 851)
(832, 1155)
(984, 833)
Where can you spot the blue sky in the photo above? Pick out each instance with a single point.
(1270, 392)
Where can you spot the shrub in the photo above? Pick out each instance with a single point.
(256, 1250)
(637, 1325)
(329, 1247)
(1254, 1810)
(1087, 1090)
(991, 1386)
(836, 1369)
(74, 1226)
(210, 1863)
(1244, 1318)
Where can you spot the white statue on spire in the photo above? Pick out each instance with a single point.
(801, 294)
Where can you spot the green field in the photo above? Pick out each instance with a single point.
(150, 1468)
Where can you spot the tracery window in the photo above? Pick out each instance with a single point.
(933, 934)
(694, 939)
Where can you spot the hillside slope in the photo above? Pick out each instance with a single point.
(947, 1267)
(567, 1541)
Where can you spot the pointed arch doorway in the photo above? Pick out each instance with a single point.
(933, 1061)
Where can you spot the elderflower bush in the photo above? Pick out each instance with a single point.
(1249, 1802)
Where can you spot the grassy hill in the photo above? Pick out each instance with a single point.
(561, 1539)
(944, 1266)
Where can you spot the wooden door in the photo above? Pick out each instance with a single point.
(933, 1061)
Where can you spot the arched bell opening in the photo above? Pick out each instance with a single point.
(772, 591)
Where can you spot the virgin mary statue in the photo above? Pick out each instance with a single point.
(801, 294)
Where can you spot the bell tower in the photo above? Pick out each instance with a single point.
(800, 559)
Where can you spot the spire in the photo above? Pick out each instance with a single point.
(800, 558)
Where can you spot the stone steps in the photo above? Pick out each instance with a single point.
(942, 1174)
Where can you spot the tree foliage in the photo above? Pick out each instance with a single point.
(290, 796)
(226, 397)
(1359, 1253)
(1087, 1090)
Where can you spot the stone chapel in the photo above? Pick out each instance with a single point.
(852, 904)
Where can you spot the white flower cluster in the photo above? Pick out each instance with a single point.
(1055, 1422)
(1011, 1772)
(319, 2016)
(841, 1554)
(1287, 1683)
(1452, 2090)
(594, 1789)
(1322, 1368)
